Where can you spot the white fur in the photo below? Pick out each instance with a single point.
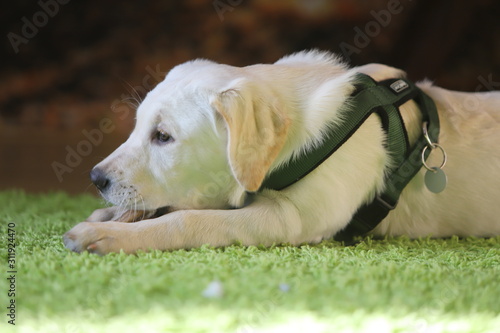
(201, 174)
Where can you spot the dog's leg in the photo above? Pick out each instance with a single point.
(260, 223)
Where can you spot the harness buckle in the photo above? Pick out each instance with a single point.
(385, 203)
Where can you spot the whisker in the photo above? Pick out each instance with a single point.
(121, 206)
(131, 102)
(135, 204)
(143, 205)
(133, 92)
(88, 187)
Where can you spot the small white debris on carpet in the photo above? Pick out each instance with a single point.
(213, 290)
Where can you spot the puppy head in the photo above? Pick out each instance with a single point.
(203, 137)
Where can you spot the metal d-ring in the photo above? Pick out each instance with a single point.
(432, 146)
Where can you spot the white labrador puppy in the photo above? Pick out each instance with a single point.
(207, 137)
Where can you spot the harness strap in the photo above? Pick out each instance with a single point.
(370, 215)
(383, 98)
(369, 97)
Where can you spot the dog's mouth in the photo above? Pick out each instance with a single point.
(136, 215)
(162, 211)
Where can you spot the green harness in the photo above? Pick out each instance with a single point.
(384, 99)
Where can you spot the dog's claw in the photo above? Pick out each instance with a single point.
(92, 247)
(83, 236)
(70, 243)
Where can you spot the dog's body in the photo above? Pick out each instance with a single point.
(210, 133)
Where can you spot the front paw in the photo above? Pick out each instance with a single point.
(81, 236)
(104, 214)
(95, 237)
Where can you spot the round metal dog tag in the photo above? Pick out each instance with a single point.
(435, 180)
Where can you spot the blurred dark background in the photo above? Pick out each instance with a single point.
(71, 70)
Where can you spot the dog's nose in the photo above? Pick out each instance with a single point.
(98, 177)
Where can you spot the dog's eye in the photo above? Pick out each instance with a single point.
(162, 137)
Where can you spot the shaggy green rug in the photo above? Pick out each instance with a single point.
(392, 285)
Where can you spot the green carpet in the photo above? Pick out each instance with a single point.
(393, 285)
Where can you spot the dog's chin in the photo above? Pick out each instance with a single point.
(136, 215)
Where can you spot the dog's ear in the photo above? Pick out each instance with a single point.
(257, 126)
